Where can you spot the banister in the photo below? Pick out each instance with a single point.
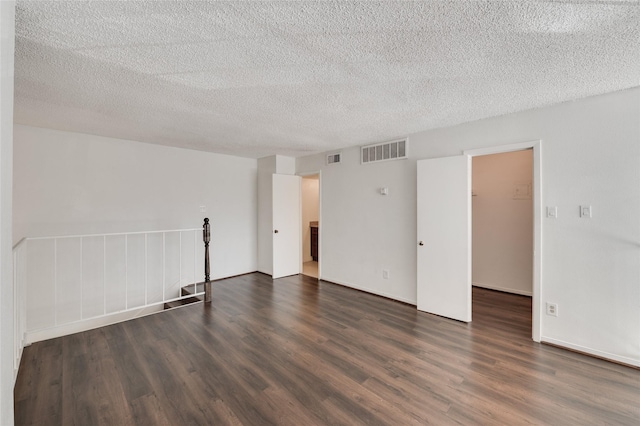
(18, 244)
(206, 236)
(98, 278)
(114, 234)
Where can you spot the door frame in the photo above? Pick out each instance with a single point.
(320, 222)
(536, 146)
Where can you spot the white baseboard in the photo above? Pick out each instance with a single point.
(503, 289)
(89, 324)
(368, 290)
(594, 352)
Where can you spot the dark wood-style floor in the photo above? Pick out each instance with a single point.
(297, 352)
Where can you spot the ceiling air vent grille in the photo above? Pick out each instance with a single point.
(334, 158)
(386, 151)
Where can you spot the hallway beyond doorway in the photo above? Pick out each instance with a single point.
(310, 269)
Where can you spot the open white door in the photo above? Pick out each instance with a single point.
(286, 225)
(444, 237)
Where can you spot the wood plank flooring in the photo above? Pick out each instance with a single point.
(296, 351)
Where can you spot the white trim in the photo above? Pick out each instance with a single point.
(500, 149)
(502, 289)
(146, 271)
(368, 290)
(19, 243)
(90, 324)
(319, 173)
(55, 281)
(101, 321)
(536, 146)
(126, 271)
(104, 275)
(320, 225)
(303, 174)
(590, 351)
(106, 235)
(81, 277)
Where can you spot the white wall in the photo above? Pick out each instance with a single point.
(503, 222)
(363, 232)
(310, 201)
(7, 308)
(69, 183)
(590, 267)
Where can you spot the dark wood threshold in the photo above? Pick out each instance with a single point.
(182, 302)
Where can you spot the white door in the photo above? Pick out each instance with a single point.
(444, 237)
(286, 225)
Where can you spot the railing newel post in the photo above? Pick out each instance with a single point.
(206, 236)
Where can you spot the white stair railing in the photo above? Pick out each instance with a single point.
(77, 282)
(19, 303)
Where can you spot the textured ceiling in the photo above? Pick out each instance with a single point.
(293, 78)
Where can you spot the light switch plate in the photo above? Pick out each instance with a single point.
(585, 211)
(552, 212)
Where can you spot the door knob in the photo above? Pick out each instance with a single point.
(275, 232)
(420, 243)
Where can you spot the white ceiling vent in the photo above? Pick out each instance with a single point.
(334, 158)
(386, 151)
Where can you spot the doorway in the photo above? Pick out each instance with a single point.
(502, 222)
(444, 279)
(310, 225)
(502, 238)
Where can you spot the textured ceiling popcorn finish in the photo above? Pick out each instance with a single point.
(294, 78)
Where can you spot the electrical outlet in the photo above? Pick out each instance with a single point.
(385, 274)
(552, 309)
